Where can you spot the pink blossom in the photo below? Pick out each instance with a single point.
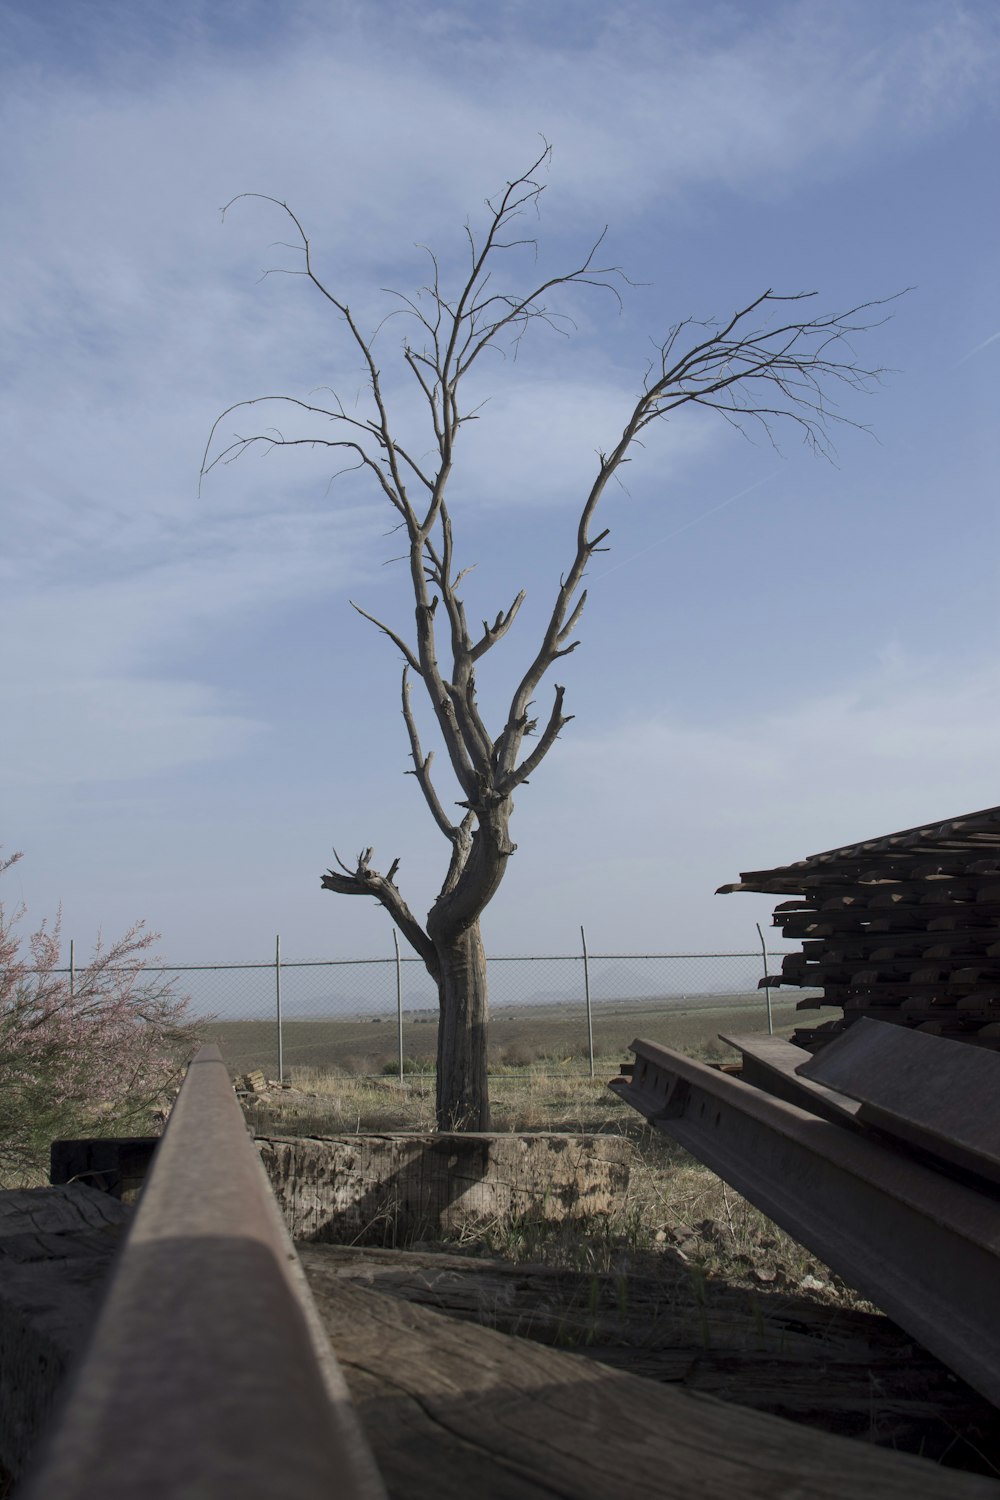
(95, 1057)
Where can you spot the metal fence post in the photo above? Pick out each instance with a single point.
(277, 997)
(72, 969)
(767, 987)
(586, 988)
(399, 1003)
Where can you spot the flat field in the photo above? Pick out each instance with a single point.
(534, 1038)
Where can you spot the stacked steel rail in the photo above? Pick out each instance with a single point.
(881, 1154)
(903, 928)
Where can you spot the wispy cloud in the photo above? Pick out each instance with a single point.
(903, 742)
(87, 692)
(687, 525)
(695, 803)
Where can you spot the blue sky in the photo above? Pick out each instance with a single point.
(779, 655)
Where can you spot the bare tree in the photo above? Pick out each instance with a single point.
(771, 362)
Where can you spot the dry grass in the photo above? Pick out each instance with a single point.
(533, 1100)
(674, 1203)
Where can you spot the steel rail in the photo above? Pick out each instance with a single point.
(208, 1373)
(770, 1063)
(938, 1095)
(924, 1248)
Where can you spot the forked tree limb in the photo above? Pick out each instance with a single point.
(364, 881)
(556, 721)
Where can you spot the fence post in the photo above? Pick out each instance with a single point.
(277, 997)
(399, 1003)
(767, 987)
(72, 969)
(586, 988)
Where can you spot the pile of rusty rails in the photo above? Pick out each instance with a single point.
(902, 928)
(880, 1154)
(208, 1372)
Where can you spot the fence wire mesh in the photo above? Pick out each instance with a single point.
(367, 1017)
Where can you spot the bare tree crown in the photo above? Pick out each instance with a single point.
(768, 364)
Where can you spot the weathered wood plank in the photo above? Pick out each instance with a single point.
(452, 1410)
(56, 1247)
(26, 1213)
(337, 1188)
(840, 1369)
(812, 923)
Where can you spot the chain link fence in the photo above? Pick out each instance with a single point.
(549, 1013)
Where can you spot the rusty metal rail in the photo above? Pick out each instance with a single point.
(938, 1095)
(771, 1064)
(208, 1373)
(923, 1247)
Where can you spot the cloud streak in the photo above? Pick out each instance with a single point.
(687, 525)
(695, 803)
(978, 349)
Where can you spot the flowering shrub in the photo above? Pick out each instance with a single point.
(91, 1056)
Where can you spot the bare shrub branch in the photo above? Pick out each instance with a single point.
(91, 1057)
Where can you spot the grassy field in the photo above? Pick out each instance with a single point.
(537, 1038)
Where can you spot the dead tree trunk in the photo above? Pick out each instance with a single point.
(462, 1090)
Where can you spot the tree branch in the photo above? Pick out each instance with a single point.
(462, 689)
(422, 767)
(723, 370)
(496, 631)
(397, 640)
(461, 849)
(392, 452)
(557, 720)
(276, 439)
(364, 881)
